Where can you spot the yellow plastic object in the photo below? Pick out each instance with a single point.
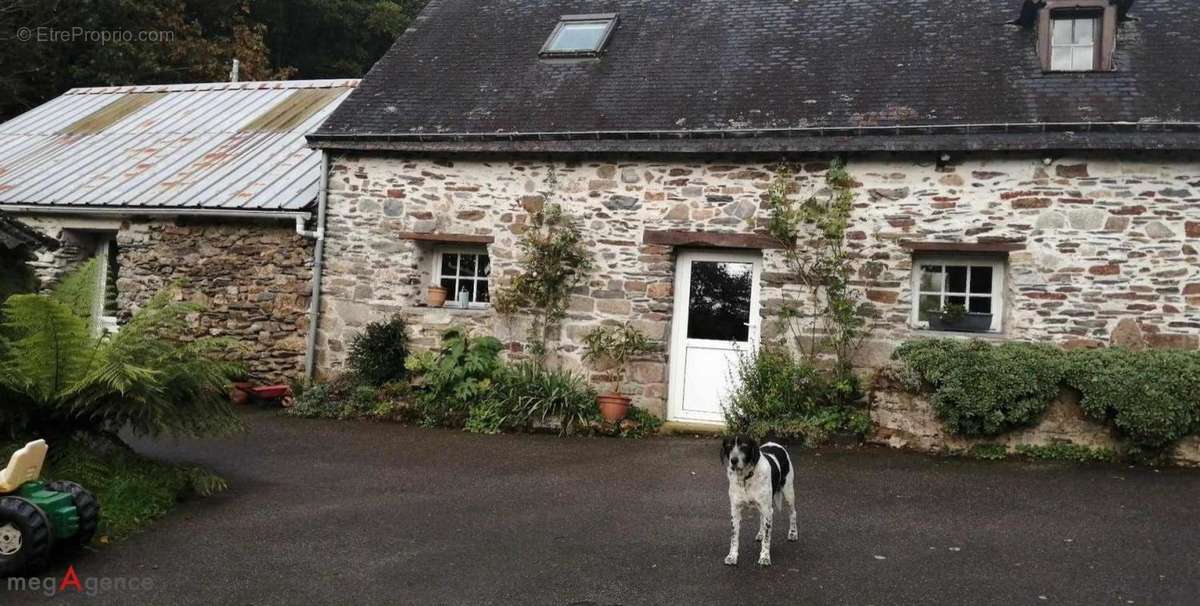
(24, 466)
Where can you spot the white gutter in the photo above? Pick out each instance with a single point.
(314, 309)
(133, 211)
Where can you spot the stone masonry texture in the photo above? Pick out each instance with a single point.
(1111, 243)
(254, 280)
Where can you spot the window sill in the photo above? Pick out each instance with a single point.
(941, 334)
(454, 309)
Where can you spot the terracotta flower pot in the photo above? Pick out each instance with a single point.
(436, 296)
(613, 407)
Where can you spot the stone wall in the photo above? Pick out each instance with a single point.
(253, 278)
(1110, 243)
(906, 420)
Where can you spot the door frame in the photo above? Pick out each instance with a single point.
(677, 354)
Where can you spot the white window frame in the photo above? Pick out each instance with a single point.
(452, 297)
(1097, 26)
(997, 295)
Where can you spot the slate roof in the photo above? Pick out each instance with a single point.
(206, 146)
(13, 234)
(743, 74)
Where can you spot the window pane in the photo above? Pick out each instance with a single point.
(481, 292)
(466, 265)
(1084, 57)
(931, 278)
(1062, 31)
(956, 279)
(449, 264)
(981, 279)
(448, 284)
(980, 305)
(1084, 31)
(485, 265)
(579, 36)
(719, 301)
(959, 301)
(928, 304)
(1060, 58)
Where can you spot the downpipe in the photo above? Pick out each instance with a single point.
(314, 309)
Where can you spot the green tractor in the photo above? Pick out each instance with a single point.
(37, 517)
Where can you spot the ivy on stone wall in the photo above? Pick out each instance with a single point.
(1152, 398)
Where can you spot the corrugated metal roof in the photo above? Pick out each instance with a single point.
(215, 146)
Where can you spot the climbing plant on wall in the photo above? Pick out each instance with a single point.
(554, 261)
(813, 232)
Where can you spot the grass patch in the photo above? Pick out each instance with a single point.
(133, 490)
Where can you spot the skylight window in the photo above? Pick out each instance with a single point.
(580, 35)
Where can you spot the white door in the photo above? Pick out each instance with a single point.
(716, 319)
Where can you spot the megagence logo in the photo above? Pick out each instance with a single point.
(72, 583)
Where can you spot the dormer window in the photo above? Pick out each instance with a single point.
(1077, 35)
(1073, 45)
(580, 35)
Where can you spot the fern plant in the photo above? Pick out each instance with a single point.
(57, 376)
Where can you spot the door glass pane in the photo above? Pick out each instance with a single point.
(931, 278)
(928, 304)
(980, 305)
(956, 279)
(981, 279)
(719, 301)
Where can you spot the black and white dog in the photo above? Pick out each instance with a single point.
(760, 477)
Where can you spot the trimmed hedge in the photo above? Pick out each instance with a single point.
(1152, 398)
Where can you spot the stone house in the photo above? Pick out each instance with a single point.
(208, 185)
(1034, 162)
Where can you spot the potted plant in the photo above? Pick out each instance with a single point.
(611, 348)
(957, 318)
(436, 296)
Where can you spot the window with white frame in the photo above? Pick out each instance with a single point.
(961, 293)
(464, 269)
(1074, 42)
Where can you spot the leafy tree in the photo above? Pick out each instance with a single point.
(57, 376)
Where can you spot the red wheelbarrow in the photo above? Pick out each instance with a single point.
(264, 395)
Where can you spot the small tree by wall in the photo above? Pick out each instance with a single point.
(554, 261)
(813, 232)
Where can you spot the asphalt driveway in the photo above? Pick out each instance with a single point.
(342, 513)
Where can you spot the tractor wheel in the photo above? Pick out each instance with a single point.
(24, 537)
(86, 507)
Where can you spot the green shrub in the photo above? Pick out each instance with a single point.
(988, 452)
(984, 390)
(451, 380)
(150, 378)
(345, 398)
(1074, 453)
(488, 417)
(529, 393)
(377, 354)
(780, 396)
(1151, 397)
